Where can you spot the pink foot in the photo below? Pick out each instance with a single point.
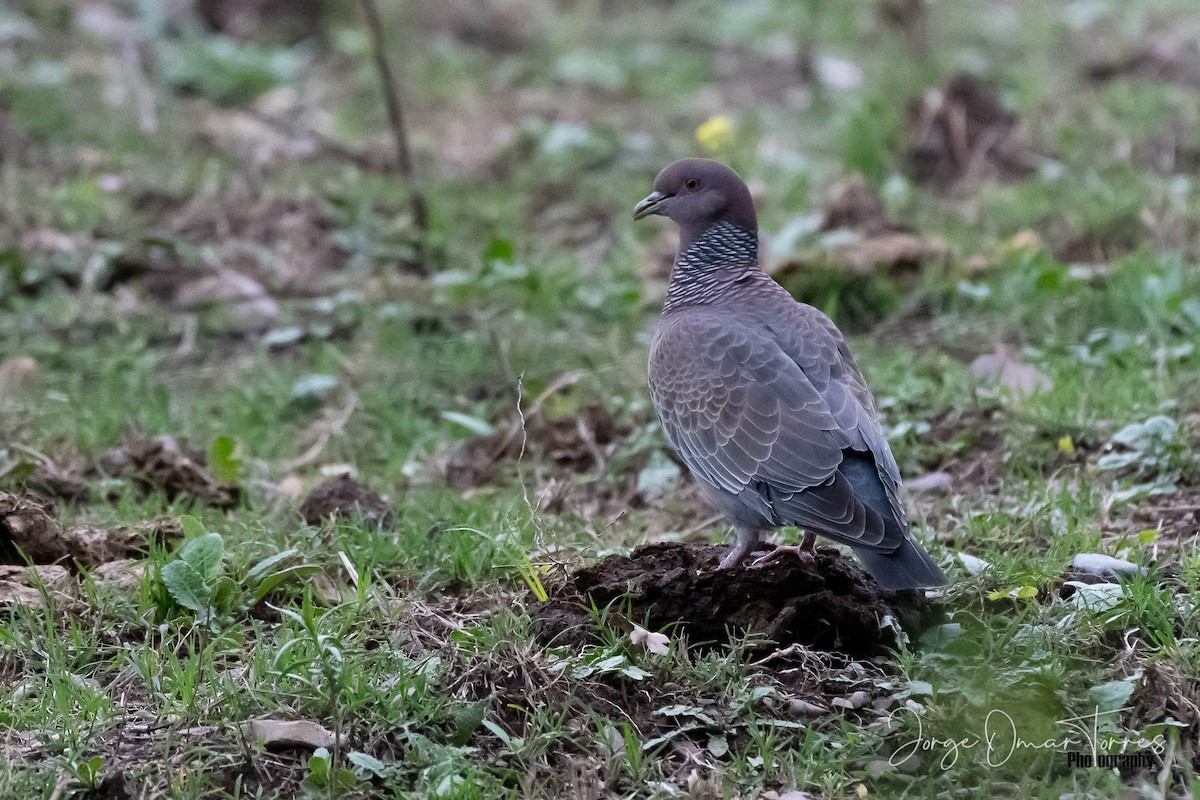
(803, 551)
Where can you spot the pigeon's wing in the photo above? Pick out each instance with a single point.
(810, 338)
(747, 419)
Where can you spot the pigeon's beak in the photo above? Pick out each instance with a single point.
(651, 204)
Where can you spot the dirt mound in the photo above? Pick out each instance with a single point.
(30, 530)
(345, 497)
(830, 605)
(962, 130)
(579, 443)
(163, 464)
(853, 204)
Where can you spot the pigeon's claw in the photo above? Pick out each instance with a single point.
(805, 551)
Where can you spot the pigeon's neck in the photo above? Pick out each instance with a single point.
(710, 264)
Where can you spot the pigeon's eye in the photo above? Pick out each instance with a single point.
(692, 184)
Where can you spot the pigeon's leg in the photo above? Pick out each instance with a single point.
(805, 551)
(744, 541)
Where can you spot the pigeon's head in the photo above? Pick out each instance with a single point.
(697, 194)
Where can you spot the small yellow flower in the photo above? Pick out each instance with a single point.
(1065, 445)
(715, 134)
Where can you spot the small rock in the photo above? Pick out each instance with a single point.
(1007, 369)
(853, 702)
(935, 483)
(301, 733)
(1105, 566)
(803, 708)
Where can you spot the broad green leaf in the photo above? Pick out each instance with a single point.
(192, 527)
(203, 553)
(224, 458)
(187, 586)
(467, 720)
(225, 594)
(499, 250)
(1111, 696)
(280, 337)
(718, 745)
(499, 732)
(634, 672)
(269, 582)
(659, 475)
(267, 564)
(368, 763)
(318, 767)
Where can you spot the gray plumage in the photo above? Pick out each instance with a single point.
(759, 394)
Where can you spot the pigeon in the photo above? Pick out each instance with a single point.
(759, 395)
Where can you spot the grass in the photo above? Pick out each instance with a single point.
(415, 647)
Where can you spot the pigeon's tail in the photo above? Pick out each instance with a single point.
(906, 567)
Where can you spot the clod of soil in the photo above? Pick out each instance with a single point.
(853, 204)
(879, 241)
(286, 21)
(579, 443)
(28, 526)
(963, 130)
(830, 605)
(29, 530)
(24, 586)
(345, 497)
(162, 464)
(1164, 57)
